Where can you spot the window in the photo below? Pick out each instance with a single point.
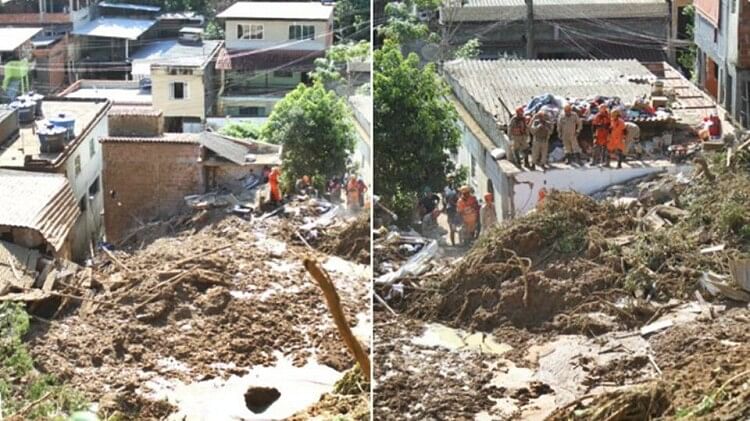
(178, 90)
(301, 32)
(78, 164)
(250, 31)
(83, 203)
(94, 188)
(247, 111)
(283, 73)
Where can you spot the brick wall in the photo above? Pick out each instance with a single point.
(743, 35)
(135, 124)
(148, 181)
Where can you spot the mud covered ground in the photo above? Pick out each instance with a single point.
(204, 302)
(565, 293)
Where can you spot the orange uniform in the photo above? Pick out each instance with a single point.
(616, 140)
(273, 181)
(468, 208)
(352, 193)
(601, 124)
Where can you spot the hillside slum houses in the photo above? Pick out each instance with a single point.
(122, 102)
(669, 110)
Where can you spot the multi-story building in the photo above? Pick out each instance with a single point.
(722, 35)
(270, 48)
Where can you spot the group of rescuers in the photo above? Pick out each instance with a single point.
(355, 188)
(612, 135)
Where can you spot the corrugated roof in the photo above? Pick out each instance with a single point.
(122, 28)
(16, 37)
(311, 10)
(17, 265)
(503, 10)
(499, 86)
(225, 147)
(38, 201)
(172, 52)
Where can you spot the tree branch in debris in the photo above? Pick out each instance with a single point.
(334, 305)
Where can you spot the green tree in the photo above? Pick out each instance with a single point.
(332, 67)
(415, 129)
(686, 56)
(241, 130)
(314, 127)
(352, 19)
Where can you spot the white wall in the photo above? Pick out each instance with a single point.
(276, 34)
(90, 223)
(585, 180)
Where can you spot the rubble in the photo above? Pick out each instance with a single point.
(184, 302)
(562, 290)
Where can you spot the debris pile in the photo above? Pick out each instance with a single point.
(190, 301)
(352, 242)
(662, 259)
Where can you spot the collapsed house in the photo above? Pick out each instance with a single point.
(147, 172)
(486, 93)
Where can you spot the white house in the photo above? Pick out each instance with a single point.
(270, 48)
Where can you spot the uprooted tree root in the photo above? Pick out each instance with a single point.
(352, 242)
(636, 403)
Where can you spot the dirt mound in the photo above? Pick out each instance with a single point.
(352, 242)
(194, 306)
(630, 404)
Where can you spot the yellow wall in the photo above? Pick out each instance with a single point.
(192, 106)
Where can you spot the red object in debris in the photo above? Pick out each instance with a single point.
(715, 128)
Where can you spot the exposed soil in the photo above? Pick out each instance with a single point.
(193, 306)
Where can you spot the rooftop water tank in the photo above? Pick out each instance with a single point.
(52, 138)
(26, 110)
(36, 98)
(67, 121)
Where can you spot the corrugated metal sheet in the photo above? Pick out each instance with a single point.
(17, 265)
(500, 86)
(42, 202)
(505, 10)
(224, 147)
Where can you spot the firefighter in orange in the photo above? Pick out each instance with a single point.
(352, 193)
(273, 182)
(468, 209)
(600, 124)
(616, 141)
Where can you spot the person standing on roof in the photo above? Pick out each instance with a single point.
(633, 139)
(487, 216)
(541, 129)
(468, 209)
(616, 141)
(273, 182)
(519, 136)
(600, 124)
(568, 127)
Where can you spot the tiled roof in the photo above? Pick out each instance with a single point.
(38, 201)
(499, 86)
(504, 10)
(281, 10)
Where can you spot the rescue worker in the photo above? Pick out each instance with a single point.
(487, 216)
(468, 209)
(600, 124)
(334, 190)
(633, 139)
(519, 136)
(428, 202)
(616, 140)
(569, 125)
(352, 193)
(541, 129)
(541, 195)
(273, 182)
(715, 128)
(303, 186)
(450, 203)
(361, 189)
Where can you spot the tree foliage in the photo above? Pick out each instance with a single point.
(331, 67)
(686, 56)
(352, 19)
(415, 128)
(314, 127)
(241, 130)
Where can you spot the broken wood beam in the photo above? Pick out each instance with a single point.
(116, 261)
(334, 306)
(199, 255)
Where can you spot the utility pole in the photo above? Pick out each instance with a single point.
(530, 30)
